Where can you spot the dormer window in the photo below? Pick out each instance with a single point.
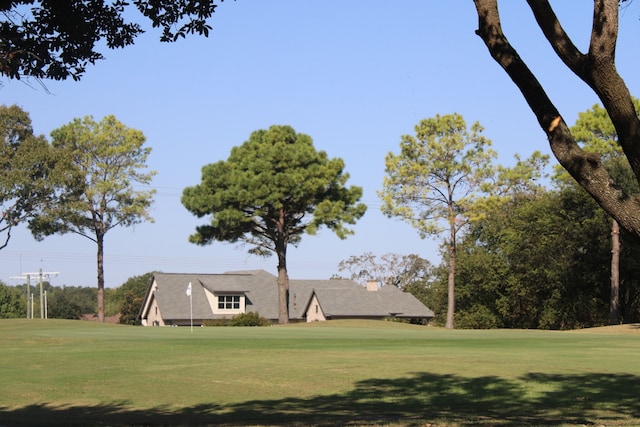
(228, 302)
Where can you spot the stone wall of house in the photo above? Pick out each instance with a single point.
(314, 312)
(154, 317)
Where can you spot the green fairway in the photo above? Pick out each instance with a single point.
(329, 373)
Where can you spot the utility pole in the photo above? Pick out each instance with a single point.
(42, 274)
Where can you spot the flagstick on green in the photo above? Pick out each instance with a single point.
(190, 304)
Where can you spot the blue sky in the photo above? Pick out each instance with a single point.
(354, 75)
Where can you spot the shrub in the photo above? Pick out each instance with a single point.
(216, 322)
(477, 317)
(12, 303)
(130, 308)
(243, 319)
(249, 319)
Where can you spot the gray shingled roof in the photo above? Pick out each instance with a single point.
(300, 292)
(403, 304)
(337, 298)
(357, 301)
(173, 300)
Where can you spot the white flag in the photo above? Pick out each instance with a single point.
(189, 290)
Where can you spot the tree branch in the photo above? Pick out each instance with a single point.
(557, 37)
(584, 167)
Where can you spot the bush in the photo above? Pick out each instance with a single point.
(12, 303)
(130, 308)
(216, 322)
(242, 319)
(61, 305)
(477, 317)
(249, 319)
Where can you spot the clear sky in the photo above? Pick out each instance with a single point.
(354, 75)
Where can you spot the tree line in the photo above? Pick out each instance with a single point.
(516, 253)
(74, 302)
(544, 261)
(540, 260)
(82, 182)
(444, 181)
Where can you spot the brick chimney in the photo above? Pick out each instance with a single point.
(372, 285)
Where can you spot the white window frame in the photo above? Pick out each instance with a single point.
(228, 302)
(236, 300)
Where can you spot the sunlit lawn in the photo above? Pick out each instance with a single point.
(330, 373)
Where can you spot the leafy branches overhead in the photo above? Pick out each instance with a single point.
(57, 39)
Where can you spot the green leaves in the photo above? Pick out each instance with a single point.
(270, 191)
(57, 39)
(437, 172)
(98, 163)
(26, 171)
(540, 261)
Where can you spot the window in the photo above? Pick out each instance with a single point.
(228, 302)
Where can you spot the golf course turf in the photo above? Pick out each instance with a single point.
(364, 373)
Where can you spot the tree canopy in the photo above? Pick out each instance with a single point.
(269, 192)
(12, 302)
(542, 261)
(130, 296)
(26, 168)
(58, 39)
(102, 161)
(595, 132)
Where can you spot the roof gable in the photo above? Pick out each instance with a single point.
(171, 295)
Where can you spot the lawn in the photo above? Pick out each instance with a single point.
(325, 374)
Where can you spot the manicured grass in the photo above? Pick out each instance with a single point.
(330, 373)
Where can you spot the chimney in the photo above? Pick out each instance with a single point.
(372, 285)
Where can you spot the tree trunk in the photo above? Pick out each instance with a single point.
(614, 307)
(283, 276)
(100, 242)
(451, 280)
(283, 296)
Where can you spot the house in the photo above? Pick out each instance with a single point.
(218, 296)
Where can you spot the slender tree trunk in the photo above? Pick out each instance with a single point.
(283, 291)
(283, 296)
(452, 280)
(614, 307)
(283, 276)
(100, 242)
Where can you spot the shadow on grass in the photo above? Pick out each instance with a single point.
(424, 397)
